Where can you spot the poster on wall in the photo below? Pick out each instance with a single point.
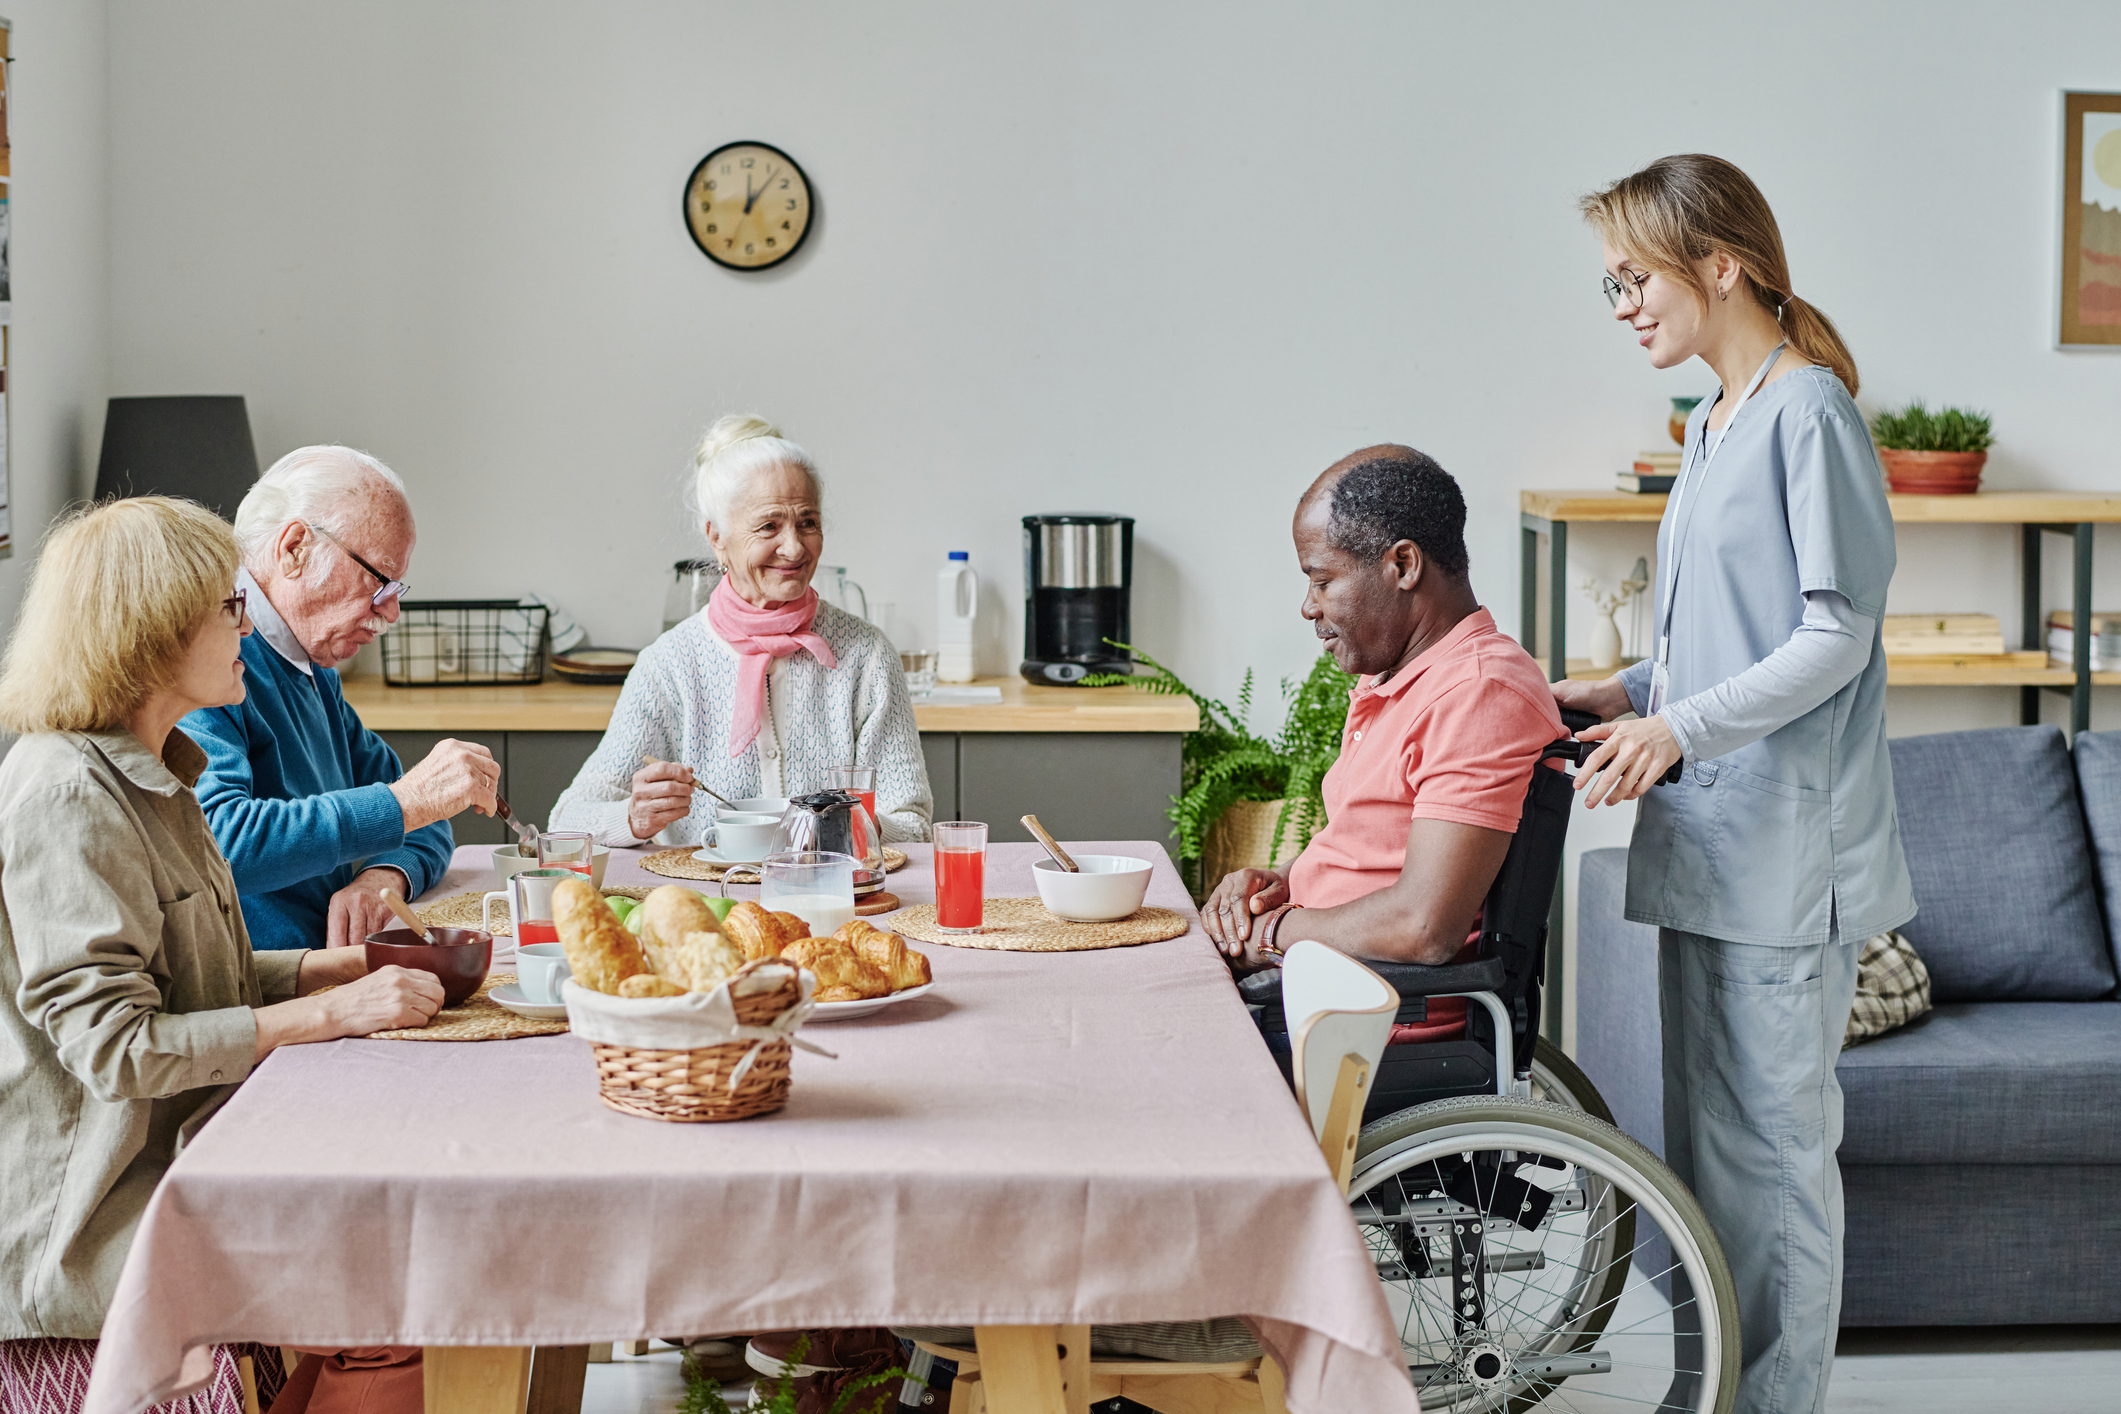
(2091, 220)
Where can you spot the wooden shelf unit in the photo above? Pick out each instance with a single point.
(2036, 513)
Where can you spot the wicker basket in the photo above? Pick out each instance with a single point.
(692, 1087)
(1244, 839)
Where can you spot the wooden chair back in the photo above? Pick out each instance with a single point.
(1339, 1015)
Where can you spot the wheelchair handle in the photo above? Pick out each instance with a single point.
(1575, 752)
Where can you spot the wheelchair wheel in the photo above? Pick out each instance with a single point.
(1507, 1232)
(1556, 1078)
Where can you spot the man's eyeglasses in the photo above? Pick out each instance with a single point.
(1627, 290)
(234, 606)
(392, 588)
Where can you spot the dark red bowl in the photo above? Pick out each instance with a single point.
(458, 957)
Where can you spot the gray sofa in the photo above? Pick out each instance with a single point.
(1981, 1157)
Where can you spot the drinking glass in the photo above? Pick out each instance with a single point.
(919, 668)
(860, 781)
(815, 885)
(960, 875)
(528, 899)
(567, 849)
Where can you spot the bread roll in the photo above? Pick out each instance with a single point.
(600, 952)
(670, 914)
(647, 984)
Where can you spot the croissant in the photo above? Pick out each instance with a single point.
(647, 984)
(600, 952)
(762, 934)
(842, 974)
(888, 953)
(673, 914)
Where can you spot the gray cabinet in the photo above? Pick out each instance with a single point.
(469, 826)
(1081, 785)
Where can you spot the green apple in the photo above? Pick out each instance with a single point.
(721, 906)
(635, 921)
(621, 905)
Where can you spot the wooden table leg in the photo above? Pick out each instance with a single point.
(557, 1374)
(1020, 1369)
(476, 1379)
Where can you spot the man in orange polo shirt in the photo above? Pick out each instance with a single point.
(1444, 729)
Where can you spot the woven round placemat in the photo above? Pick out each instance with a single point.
(679, 864)
(462, 910)
(1023, 925)
(480, 1018)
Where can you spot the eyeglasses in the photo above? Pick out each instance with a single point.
(1626, 290)
(235, 606)
(392, 588)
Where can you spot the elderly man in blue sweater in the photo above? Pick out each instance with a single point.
(314, 812)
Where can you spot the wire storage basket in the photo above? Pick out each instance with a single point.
(465, 643)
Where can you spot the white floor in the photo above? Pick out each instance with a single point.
(1991, 1370)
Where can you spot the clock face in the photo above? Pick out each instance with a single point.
(747, 205)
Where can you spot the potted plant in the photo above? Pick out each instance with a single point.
(1246, 800)
(1932, 453)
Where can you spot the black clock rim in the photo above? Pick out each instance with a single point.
(685, 208)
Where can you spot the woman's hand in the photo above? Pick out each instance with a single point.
(382, 1000)
(1631, 758)
(1606, 699)
(1241, 897)
(662, 793)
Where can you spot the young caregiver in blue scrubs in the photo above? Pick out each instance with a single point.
(1778, 851)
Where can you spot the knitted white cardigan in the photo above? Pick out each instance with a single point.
(676, 705)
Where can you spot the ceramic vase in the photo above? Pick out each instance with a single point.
(1605, 642)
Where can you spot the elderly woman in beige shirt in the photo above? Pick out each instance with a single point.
(133, 1003)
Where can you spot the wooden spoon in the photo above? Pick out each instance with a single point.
(1060, 856)
(405, 914)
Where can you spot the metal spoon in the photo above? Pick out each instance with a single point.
(659, 761)
(526, 834)
(405, 914)
(1060, 856)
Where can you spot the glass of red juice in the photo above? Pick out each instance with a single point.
(960, 875)
(528, 899)
(858, 781)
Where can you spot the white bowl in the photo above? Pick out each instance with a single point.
(1110, 886)
(508, 860)
(774, 805)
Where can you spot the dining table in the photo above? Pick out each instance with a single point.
(1041, 1140)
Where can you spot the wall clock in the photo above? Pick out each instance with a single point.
(747, 205)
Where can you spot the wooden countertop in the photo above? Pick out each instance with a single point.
(1981, 508)
(555, 706)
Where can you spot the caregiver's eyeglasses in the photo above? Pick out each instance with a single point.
(1627, 290)
(392, 588)
(234, 606)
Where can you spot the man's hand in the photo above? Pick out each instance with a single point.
(1241, 897)
(1606, 699)
(456, 776)
(662, 793)
(1633, 757)
(358, 909)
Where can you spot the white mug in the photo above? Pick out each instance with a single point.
(540, 969)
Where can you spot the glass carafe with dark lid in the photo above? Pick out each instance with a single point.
(696, 580)
(834, 821)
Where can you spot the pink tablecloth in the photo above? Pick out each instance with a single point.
(1047, 1138)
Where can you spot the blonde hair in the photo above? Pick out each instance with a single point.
(112, 607)
(315, 485)
(735, 450)
(1685, 208)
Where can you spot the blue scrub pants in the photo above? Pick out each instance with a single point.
(1752, 1117)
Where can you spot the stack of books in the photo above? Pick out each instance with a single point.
(2062, 642)
(1942, 635)
(1653, 473)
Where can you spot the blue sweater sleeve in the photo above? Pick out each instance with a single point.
(272, 843)
(424, 855)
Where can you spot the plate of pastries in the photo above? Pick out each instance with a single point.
(860, 969)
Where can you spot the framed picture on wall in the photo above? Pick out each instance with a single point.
(2090, 295)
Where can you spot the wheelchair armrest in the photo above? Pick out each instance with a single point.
(1409, 979)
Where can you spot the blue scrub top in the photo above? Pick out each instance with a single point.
(1794, 839)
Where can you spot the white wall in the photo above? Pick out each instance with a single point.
(60, 253)
(1167, 260)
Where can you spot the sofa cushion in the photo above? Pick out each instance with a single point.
(1987, 1083)
(2098, 759)
(2002, 868)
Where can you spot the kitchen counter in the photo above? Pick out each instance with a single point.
(555, 706)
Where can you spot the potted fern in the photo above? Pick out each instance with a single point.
(1928, 453)
(1246, 800)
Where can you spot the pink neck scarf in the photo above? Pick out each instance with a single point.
(758, 634)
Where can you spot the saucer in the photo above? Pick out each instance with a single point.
(708, 855)
(509, 995)
(848, 1011)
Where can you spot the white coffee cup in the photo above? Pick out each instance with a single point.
(540, 969)
(744, 837)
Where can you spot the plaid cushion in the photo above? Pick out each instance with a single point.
(1892, 988)
(48, 1375)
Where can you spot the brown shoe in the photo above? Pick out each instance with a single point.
(832, 1360)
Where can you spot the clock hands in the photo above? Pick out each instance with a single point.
(749, 195)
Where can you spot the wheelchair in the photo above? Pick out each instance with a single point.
(1533, 1255)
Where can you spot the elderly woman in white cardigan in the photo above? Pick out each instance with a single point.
(766, 689)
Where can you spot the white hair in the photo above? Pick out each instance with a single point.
(733, 453)
(315, 485)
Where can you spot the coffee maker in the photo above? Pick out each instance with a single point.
(1078, 572)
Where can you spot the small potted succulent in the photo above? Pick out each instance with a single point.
(1928, 453)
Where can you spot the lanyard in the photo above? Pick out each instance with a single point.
(1703, 455)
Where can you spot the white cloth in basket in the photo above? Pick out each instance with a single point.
(694, 1020)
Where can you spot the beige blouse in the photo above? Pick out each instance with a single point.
(129, 983)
